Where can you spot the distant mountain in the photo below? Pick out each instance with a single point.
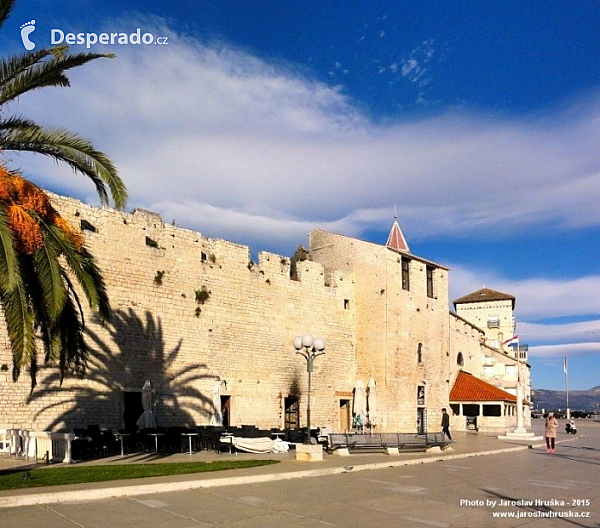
(580, 400)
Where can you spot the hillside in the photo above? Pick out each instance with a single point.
(580, 400)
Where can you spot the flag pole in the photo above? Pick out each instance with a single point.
(567, 387)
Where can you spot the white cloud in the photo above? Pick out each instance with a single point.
(581, 332)
(537, 299)
(577, 349)
(221, 130)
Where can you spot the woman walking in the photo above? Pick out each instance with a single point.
(550, 433)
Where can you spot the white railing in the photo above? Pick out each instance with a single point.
(55, 447)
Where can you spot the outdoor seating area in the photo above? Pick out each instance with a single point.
(385, 441)
(92, 442)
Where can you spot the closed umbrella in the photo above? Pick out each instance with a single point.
(147, 419)
(372, 402)
(359, 405)
(217, 416)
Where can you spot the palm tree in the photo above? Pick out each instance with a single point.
(38, 69)
(41, 255)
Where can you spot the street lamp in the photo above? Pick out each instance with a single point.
(310, 348)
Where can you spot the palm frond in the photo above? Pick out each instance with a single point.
(8, 259)
(83, 266)
(74, 352)
(62, 145)
(12, 67)
(5, 9)
(20, 325)
(27, 72)
(48, 274)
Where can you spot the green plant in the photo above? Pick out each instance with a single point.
(158, 278)
(4, 367)
(202, 295)
(197, 311)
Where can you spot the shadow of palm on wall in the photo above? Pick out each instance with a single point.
(122, 356)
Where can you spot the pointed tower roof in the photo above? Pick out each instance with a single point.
(396, 239)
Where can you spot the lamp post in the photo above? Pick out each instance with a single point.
(310, 348)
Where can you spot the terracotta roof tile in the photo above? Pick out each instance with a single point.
(469, 388)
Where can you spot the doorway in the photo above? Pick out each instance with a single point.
(292, 413)
(132, 405)
(345, 415)
(225, 409)
(421, 420)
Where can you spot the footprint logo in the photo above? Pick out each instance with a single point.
(27, 29)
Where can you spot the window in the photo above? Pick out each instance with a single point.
(492, 410)
(346, 304)
(429, 281)
(460, 359)
(86, 226)
(405, 274)
(420, 353)
(493, 321)
(421, 395)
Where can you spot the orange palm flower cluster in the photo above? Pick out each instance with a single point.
(26, 206)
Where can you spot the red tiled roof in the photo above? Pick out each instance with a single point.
(396, 239)
(485, 294)
(469, 388)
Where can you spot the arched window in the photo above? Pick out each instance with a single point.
(420, 353)
(460, 359)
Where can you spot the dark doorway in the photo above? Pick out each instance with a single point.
(421, 420)
(226, 409)
(292, 413)
(132, 403)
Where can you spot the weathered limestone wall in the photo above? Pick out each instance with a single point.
(391, 324)
(192, 313)
(480, 314)
(240, 330)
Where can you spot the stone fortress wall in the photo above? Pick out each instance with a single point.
(193, 313)
(190, 311)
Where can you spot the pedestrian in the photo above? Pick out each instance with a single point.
(550, 432)
(446, 424)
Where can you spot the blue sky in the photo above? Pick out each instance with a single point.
(259, 121)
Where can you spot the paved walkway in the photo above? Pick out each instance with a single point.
(468, 444)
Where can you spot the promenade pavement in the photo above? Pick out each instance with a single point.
(467, 444)
(513, 486)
